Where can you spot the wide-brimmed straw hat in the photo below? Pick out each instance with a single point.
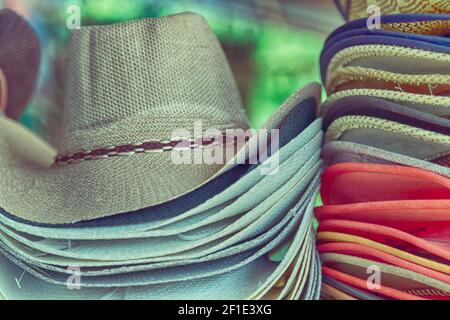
(19, 62)
(128, 87)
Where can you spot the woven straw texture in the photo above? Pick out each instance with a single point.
(19, 60)
(349, 55)
(343, 124)
(434, 105)
(357, 78)
(362, 64)
(434, 27)
(428, 292)
(356, 9)
(396, 96)
(142, 80)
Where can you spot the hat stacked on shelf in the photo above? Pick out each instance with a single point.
(110, 214)
(385, 223)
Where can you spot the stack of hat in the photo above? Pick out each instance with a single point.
(385, 225)
(122, 211)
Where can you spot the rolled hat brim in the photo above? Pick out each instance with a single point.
(381, 40)
(365, 252)
(379, 108)
(336, 290)
(391, 136)
(332, 236)
(380, 182)
(434, 105)
(395, 282)
(344, 151)
(389, 236)
(400, 214)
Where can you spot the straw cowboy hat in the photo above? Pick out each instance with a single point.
(19, 62)
(128, 87)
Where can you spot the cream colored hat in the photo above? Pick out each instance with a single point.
(129, 86)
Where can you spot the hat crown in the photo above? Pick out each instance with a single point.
(143, 79)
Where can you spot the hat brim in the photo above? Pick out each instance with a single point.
(34, 190)
(343, 151)
(188, 212)
(387, 67)
(337, 290)
(336, 236)
(285, 287)
(365, 252)
(436, 105)
(380, 108)
(163, 252)
(295, 277)
(380, 182)
(400, 214)
(433, 39)
(399, 20)
(243, 284)
(191, 271)
(354, 11)
(395, 280)
(390, 136)
(388, 236)
(327, 55)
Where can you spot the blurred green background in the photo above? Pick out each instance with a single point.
(273, 45)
